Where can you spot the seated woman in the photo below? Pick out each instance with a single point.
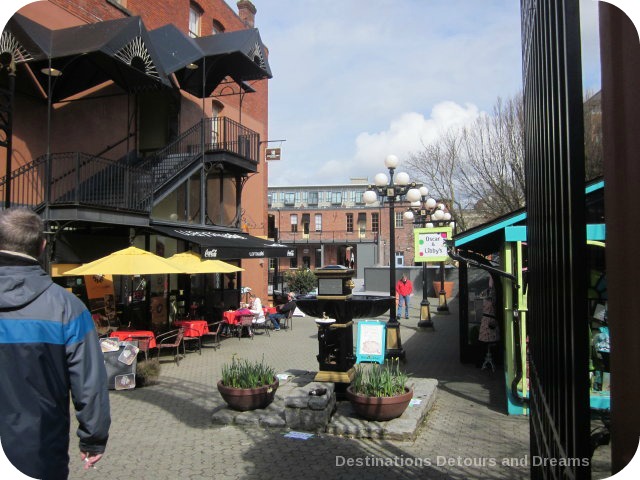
(255, 307)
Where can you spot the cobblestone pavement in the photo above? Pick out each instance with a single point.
(165, 431)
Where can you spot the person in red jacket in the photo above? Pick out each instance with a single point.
(404, 290)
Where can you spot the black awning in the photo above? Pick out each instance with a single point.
(176, 50)
(85, 56)
(227, 245)
(240, 55)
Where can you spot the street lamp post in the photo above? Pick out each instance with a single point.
(426, 212)
(390, 190)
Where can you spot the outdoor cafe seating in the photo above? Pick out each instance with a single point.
(146, 339)
(171, 340)
(193, 331)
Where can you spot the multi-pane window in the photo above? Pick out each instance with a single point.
(375, 222)
(358, 197)
(336, 198)
(318, 222)
(293, 262)
(289, 198)
(399, 219)
(294, 223)
(305, 197)
(195, 15)
(350, 222)
(313, 198)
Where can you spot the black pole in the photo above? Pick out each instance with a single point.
(394, 343)
(442, 296)
(9, 132)
(392, 260)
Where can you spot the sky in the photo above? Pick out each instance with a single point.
(356, 80)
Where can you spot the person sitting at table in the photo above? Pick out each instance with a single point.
(282, 311)
(255, 307)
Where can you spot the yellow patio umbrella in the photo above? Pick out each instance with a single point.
(129, 261)
(191, 262)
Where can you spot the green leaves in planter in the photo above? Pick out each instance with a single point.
(379, 380)
(247, 374)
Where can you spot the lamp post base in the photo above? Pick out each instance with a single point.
(394, 343)
(425, 315)
(443, 307)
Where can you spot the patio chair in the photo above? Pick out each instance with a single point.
(245, 321)
(171, 340)
(264, 325)
(215, 328)
(287, 322)
(143, 344)
(192, 338)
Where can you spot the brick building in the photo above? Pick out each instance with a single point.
(331, 224)
(141, 122)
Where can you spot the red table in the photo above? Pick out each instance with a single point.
(124, 335)
(193, 328)
(232, 316)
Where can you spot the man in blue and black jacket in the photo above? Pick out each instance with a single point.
(49, 353)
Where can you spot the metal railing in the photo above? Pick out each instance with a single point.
(329, 236)
(79, 179)
(83, 179)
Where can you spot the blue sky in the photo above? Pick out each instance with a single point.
(355, 80)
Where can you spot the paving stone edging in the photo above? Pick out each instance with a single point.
(343, 422)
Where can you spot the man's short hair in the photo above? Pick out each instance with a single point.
(21, 230)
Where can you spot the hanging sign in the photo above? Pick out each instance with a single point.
(430, 244)
(272, 153)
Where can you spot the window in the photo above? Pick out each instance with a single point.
(306, 219)
(297, 197)
(289, 198)
(195, 13)
(216, 27)
(313, 198)
(336, 198)
(318, 222)
(362, 223)
(375, 222)
(358, 197)
(350, 222)
(399, 220)
(306, 262)
(294, 223)
(318, 257)
(293, 263)
(269, 199)
(305, 197)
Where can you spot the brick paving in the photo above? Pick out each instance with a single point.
(165, 431)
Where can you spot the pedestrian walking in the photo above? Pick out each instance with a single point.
(49, 354)
(404, 289)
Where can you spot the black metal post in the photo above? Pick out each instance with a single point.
(394, 343)
(425, 308)
(442, 296)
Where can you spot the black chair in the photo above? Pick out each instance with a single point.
(171, 340)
